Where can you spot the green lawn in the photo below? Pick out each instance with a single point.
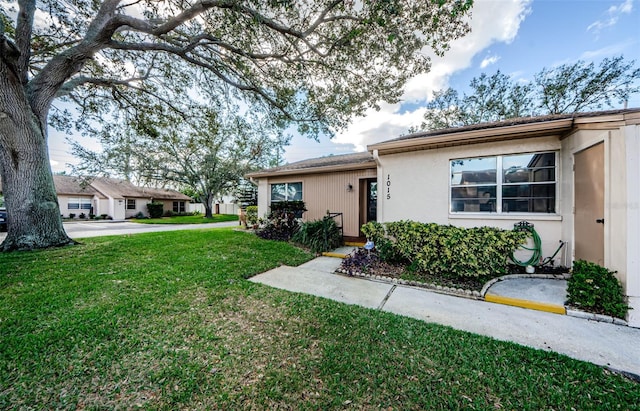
(169, 321)
(188, 219)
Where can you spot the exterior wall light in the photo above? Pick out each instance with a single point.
(349, 187)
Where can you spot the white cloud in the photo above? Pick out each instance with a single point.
(613, 14)
(487, 61)
(492, 22)
(611, 50)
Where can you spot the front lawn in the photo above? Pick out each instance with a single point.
(188, 219)
(169, 321)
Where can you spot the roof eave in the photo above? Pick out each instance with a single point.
(514, 132)
(314, 170)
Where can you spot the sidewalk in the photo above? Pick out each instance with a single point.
(613, 346)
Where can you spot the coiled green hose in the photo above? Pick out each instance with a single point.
(536, 255)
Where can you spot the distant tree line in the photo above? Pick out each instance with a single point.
(569, 88)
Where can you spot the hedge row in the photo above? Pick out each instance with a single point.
(446, 250)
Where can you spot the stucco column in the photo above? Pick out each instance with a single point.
(632, 143)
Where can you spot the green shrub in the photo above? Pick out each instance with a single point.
(296, 207)
(252, 215)
(595, 289)
(319, 235)
(445, 250)
(282, 223)
(72, 215)
(155, 209)
(376, 232)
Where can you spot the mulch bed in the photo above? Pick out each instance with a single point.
(364, 262)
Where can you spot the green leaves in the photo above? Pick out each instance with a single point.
(595, 289)
(447, 251)
(319, 235)
(569, 88)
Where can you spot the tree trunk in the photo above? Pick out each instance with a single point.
(208, 206)
(33, 214)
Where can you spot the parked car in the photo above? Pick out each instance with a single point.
(3, 219)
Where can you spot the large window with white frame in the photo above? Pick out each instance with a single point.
(517, 183)
(79, 203)
(286, 192)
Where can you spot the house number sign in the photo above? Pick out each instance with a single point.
(388, 186)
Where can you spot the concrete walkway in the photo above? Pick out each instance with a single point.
(616, 347)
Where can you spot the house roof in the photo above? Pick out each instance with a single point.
(117, 188)
(558, 125)
(325, 164)
(104, 187)
(72, 185)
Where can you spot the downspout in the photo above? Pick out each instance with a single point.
(380, 209)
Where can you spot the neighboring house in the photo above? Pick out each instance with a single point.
(337, 184)
(576, 178)
(119, 199)
(76, 196)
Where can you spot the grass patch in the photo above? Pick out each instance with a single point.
(188, 219)
(169, 321)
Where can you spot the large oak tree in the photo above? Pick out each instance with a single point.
(316, 63)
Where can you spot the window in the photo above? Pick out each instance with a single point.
(79, 203)
(131, 203)
(286, 192)
(179, 207)
(521, 183)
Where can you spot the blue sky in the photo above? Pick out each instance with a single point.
(517, 37)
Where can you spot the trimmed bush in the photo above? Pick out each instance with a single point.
(445, 250)
(594, 288)
(155, 209)
(282, 222)
(376, 232)
(252, 215)
(319, 235)
(72, 215)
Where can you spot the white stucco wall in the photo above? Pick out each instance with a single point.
(415, 186)
(631, 137)
(63, 202)
(263, 197)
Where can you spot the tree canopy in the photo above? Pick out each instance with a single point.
(206, 155)
(568, 88)
(313, 63)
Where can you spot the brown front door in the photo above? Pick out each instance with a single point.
(589, 204)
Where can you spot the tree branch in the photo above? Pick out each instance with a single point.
(24, 30)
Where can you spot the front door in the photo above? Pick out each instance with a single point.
(368, 200)
(589, 204)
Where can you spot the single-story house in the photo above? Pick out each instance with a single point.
(337, 184)
(575, 177)
(119, 199)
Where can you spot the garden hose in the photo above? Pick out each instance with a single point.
(536, 255)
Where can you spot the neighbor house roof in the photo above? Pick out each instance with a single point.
(117, 188)
(558, 125)
(104, 187)
(343, 162)
(72, 185)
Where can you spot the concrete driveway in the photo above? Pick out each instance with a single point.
(83, 229)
